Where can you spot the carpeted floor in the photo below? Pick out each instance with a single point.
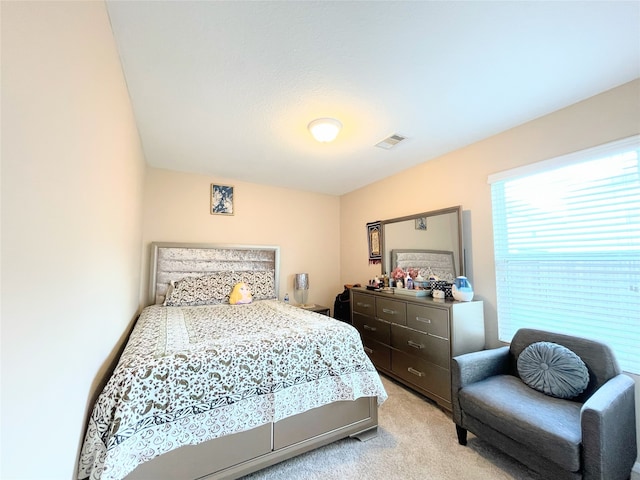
(416, 440)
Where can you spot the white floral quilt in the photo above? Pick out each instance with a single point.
(191, 374)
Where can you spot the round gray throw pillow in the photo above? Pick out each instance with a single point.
(553, 369)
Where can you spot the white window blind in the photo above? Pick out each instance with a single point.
(567, 247)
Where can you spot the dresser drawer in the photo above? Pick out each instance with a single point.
(364, 304)
(372, 328)
(422, 374)
(391, 310)
(379, 354)
(428, 319)
(422, 345)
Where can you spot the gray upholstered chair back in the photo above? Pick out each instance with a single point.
(598, 357)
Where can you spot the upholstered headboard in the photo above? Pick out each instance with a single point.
(428, 262)
(175, 261)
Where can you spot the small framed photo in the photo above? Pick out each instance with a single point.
(221, 199)
(421, 223)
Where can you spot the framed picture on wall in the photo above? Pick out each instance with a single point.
(221, 199)
(421, 223)
(374, 235)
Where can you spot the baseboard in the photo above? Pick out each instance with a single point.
(635, 472)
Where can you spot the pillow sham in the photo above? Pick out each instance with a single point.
(240, 294)
(261, 284)
(553, 370)
(214, 288)
(192, 291)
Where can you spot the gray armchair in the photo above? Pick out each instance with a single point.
(592, 436)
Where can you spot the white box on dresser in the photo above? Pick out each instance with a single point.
(412, 339)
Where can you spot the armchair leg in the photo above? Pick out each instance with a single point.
(462, 435)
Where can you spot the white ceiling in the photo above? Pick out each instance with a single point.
(227, 88)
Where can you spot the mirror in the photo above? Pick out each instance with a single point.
(437, 231)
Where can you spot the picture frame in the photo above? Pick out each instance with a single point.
(222, 199)
(374, 240)
(421, 223)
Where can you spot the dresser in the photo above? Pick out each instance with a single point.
(412, 339)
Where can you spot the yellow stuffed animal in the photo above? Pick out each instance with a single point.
(240, 294)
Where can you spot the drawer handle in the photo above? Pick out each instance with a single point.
(422, 319)
(389, 311)
(419, 346)
(367, 327)
(365, 305)
(368, 350)
(415, 372)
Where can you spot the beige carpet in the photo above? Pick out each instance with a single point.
(416, 440)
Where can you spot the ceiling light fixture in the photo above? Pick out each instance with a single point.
(325, 129)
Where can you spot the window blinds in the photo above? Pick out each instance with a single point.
(567, 247)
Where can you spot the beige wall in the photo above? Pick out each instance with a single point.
(305, 225)
(460, 178)
(74, 220)
(72, 173)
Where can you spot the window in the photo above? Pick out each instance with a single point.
(567, 247)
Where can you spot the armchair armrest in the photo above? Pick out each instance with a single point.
(473, 367)
(609, 430)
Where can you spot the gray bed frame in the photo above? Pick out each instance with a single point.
(242, 453)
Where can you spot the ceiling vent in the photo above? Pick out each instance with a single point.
(390, 142)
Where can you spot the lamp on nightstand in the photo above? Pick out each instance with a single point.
(301, 289)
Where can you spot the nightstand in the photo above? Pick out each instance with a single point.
(320, 309)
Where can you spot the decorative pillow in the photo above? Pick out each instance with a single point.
(261, 283)
(207, 290)
(240, 294)
(168, 293)
(553, 370)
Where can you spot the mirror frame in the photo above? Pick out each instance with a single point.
(457, 209)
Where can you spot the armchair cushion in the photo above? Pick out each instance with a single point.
(553, 370)
(506, 404)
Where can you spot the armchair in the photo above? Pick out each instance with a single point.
(591, 436)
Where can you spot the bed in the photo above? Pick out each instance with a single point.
(205, 389)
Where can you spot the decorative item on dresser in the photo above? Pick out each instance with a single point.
(413, 339)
